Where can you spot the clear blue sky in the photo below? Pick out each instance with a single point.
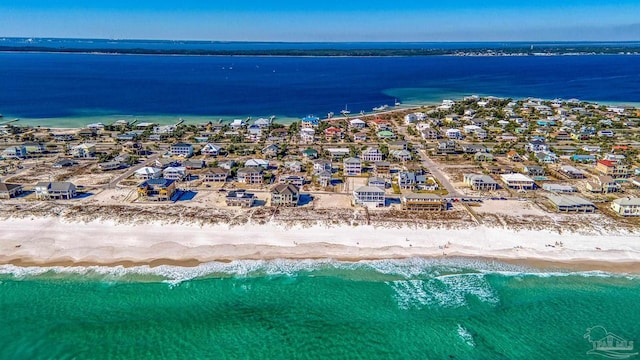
(324, 20)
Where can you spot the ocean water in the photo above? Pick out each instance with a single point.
(391, 309)
(76, 89)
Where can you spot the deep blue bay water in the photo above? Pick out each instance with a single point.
(64, 87)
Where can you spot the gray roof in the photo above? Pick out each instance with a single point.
(57, 185)
(4, 187)
(569, 200)
(373, 189)
(287, 189)
(352, 160)
(628, 201)
(423, 196)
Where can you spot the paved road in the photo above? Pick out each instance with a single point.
(435, 171)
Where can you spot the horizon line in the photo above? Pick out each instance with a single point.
(332, 42)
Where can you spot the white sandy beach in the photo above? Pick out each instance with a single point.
(52, 241)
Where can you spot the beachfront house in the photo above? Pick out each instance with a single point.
(571, 203)
(182, 149)
(480, 182)
(8, 191)
(627, 206)
(159, 189)
(423, 202)
(240, 198)
(369, 196)
(310, 121)
(357, 124)
(285, 195)
(55, 190)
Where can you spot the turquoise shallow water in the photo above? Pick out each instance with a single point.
(405, 309)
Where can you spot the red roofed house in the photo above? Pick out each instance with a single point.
(614, 169)
(333, 133)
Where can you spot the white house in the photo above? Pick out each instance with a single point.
(369, 196)
(352, 167)
(174, 173)
(626, 206)
(211, 149)
(518, 181)
(357, 124)
(146, 173)
(454, 134)
(257, 163)
(181, 149)
(371, 154)
(307, 135)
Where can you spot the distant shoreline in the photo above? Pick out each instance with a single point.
(373, 52)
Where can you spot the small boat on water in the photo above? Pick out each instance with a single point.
(397, 102)
(345, 111)
(381, 108)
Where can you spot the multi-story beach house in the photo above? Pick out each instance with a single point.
(480, 182)
(627, 206)
(571, 203)
(8, 191)
(371, 154)
(250, 175)
(382, 168)
(211, 150)
(369, 196)
(406, 179)
(176, 173)
(285, 195)
(324, 178)
(14, 152)
(321, 165)
(295, 166)
(34, 147)
(257, 163)
(84, 151)
(147, 172)
(55, 190)
(352, 167)
(615, 169)
(603, 184)
(377, 182)
(240, 198)
(518, 181)
(307, 135)
(310, 121)
(182, 149)
(423, 202)
(157, 189)
(216, 174)
(571, 172)
(357, 124)
(297, 180)
(400, 155)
